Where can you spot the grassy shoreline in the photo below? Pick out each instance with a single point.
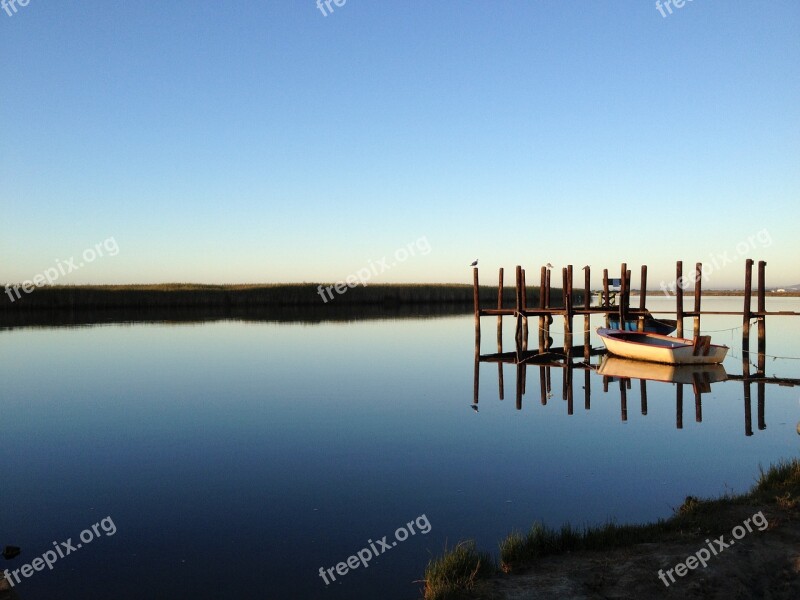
(314, 294)
(92, 304)
(464, 572)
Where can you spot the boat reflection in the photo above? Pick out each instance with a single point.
(702, 374)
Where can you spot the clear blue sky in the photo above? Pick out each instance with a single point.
(260, 141)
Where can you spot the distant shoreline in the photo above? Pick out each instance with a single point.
(304, 302)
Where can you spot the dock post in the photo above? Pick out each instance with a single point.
(679, 406)
(500, 307)
(587, 300)
(627, 292)
(477, 303)
(748, 293)
(679, 297)
(623, 308)
(762, 317)
(587, 318)
(642, 298)
(567, 274)
(698, 275)
(605, 300)
(524, 308)
(518, 306)
(542, 300)
(547, 289)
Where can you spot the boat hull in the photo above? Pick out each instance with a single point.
(658, 348)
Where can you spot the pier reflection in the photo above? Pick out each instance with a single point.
(611, 372)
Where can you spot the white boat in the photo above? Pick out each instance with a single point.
(662, 348)
(612, 366)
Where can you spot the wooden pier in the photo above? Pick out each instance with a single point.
(570, 359)
(545, 312)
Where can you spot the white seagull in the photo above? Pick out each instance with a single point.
(475, 263)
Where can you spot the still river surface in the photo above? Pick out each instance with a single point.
(236, 459)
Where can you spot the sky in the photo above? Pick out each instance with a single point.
(262, 141)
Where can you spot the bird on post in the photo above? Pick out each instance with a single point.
(549, 266)
(474, 263)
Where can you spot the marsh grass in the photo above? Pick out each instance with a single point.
(778, 485)
(456, 571)
(780, 477)
(255, 295)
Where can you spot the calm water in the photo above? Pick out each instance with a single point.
(237, 459)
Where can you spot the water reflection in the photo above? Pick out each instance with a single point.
(613, 370)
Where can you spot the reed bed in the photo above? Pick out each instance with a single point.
(244, 296)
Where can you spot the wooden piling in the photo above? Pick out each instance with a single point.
(587, 292)
(679, 297)
(547, 290)
(542, 286)
(524, 308)
(643, 291)
(567, 274)
(587, 318)
(587, 340)
(476, 302)
(642, 298)
(746, 354)
(679, 406)
(748, 293)
(698, 274)
(542, 303)
(524, 291)
(622, 305)
(518, 305)
(627, 292)
(760, 391)
(762, 309)
(500, 307)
